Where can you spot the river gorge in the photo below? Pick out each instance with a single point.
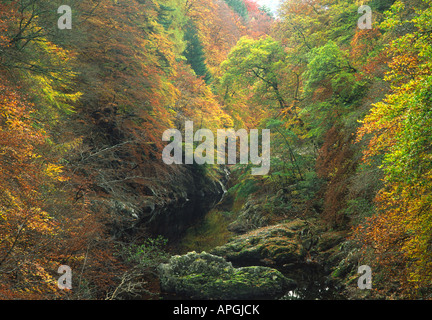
(219, 246)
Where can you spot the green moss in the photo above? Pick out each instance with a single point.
(275, 243)
(217, 279)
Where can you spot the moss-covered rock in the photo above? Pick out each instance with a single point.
(206, 276)
(277, 244)
(250, 217)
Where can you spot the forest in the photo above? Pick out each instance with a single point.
(90, 209)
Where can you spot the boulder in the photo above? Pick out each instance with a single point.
(206, 276)
(278, 244)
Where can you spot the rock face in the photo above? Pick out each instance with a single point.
(206, 276)
(251, 217)
(277, 244)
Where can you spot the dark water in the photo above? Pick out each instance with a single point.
(174, 223)
(313, 284)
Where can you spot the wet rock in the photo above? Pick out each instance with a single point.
(206, 276)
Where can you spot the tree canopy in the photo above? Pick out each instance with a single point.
(83, 112)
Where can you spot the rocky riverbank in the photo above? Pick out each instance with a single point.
(309, 260)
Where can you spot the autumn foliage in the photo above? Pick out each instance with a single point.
(82, 113)
(81, 119)
(399, 129)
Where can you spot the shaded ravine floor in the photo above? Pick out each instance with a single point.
(212, 230)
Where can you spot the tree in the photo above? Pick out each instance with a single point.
(398, 130)
(257, 64)
(194, 53)
(331, 85)
(239, 7)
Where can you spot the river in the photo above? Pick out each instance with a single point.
(201, 224)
